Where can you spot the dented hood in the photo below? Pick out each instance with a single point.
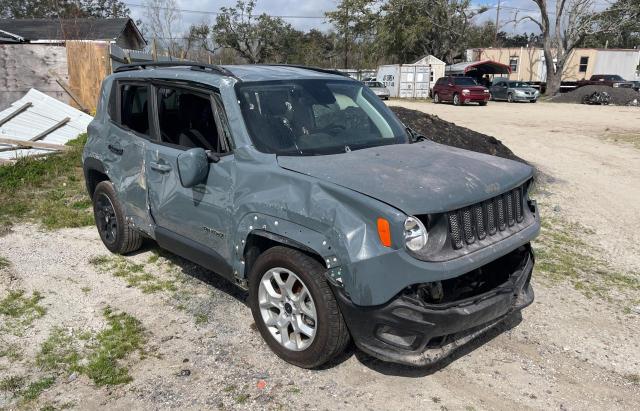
(416, 178)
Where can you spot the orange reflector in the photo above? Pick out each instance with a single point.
(384, 232)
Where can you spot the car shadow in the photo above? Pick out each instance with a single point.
(220, 283)
(196, 271)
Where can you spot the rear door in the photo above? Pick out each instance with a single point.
(200, 216)
(125, 148)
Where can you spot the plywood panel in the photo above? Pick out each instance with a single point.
(25, 66)
(89, 63)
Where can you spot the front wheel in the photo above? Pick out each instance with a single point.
(294, 308)
(483, 103)
(510, 98)
(456, 100)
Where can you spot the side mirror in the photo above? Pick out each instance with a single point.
(193, 167)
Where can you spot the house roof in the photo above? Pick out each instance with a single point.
(25, 30)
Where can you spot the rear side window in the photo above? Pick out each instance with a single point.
(186, 119)
(134, 108)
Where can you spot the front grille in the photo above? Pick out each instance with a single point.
(486, 219)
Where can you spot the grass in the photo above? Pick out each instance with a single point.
(10, 351)
(562, 254)
(202, 318)
(626, 138)
(4, 263)
(12, 384)
(48, 190)
(133, 274)
(36, 388)
(633, 378)
(20, 310)
(98, 356)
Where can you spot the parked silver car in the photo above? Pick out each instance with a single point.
(511, 91)
(378, 89)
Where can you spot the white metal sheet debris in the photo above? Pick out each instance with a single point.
(44, 113)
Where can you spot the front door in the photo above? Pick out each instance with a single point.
(187, 118)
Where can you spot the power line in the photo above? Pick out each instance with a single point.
(215, 13)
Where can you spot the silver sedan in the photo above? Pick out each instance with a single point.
(378, 88)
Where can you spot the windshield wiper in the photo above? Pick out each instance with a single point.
(414, 136)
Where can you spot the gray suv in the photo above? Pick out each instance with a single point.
(301, 186)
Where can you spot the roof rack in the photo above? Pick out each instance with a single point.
(321, 70)
(192, 64)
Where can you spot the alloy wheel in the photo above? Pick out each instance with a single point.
(106, 218)
(287, 309)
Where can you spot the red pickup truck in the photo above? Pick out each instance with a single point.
(611, 80)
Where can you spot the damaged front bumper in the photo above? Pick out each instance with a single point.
(411, 329)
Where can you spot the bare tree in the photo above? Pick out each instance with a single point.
(564, 26)
(163, 18)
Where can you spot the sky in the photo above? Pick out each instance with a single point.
(317, 8)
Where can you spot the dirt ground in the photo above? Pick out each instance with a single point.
(567, 351)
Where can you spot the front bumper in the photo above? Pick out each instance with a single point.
(475, 98)
(408, 331)
(520, 97)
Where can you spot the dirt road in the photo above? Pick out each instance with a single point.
(201, 349)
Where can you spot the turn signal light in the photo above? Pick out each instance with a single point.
(384, 232)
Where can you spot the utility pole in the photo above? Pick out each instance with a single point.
(495, 38)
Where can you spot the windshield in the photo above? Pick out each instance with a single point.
(518, 84)
(315, 117)
(374, 84)
(465, 81)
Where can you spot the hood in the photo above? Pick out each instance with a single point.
(416, 178)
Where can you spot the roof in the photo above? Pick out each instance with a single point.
(428, 59)
(65, 29)
(244, 72)
(478, 67)
(44, 113)
(265, 72)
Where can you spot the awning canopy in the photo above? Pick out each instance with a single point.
(477, 68)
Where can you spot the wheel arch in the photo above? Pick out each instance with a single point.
(94, 173)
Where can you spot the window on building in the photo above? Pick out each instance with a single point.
(513, 63)
(134, 113)
(584, 62)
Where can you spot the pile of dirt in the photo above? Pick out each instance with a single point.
(444, 132)
(619, 96)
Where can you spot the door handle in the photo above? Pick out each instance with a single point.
(163, 168)
(116, 149)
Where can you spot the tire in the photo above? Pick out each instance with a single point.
(491, 97)
(456, 100)
(534, 101)
(510, 98)
(331, 335)
(436, 98)
(483, 103)
(109, 214)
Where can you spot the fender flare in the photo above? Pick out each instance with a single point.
(288, 233)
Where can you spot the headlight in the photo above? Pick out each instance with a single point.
(485, 90)
(415, 234)
(465, 91)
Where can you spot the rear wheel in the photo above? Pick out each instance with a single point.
(294, 308)
(436, 98)
(109, 214)
(456, 100)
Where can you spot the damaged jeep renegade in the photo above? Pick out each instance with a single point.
(301, 186)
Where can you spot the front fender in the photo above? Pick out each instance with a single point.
(287, 232)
